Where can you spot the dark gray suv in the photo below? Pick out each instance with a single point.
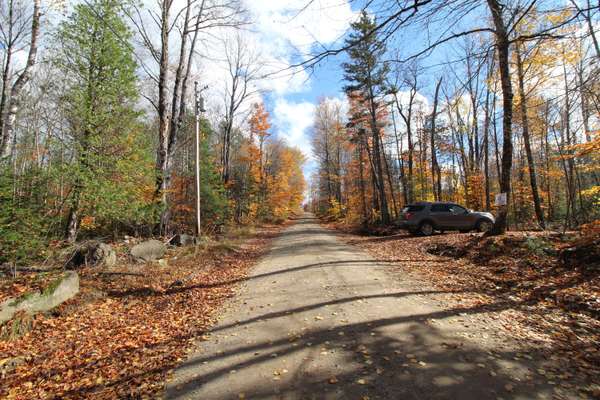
(426, 217)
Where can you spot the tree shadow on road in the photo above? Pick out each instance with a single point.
(146, 291)
(426, 364)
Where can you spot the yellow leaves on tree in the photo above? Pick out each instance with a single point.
(285, 184)
(259, 131)
(275, 179)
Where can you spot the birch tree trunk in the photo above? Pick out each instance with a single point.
(10, 116)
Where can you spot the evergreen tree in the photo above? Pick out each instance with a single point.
(109, 178)
(366, 75)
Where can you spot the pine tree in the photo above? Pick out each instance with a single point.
(366, 74)
(111, 157)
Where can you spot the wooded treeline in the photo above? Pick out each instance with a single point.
(515, 110)
(97, 125)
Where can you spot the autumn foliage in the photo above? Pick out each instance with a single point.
(396, 144)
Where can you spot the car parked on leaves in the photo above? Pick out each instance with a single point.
(427, 217)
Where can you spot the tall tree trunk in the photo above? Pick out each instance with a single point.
(435, 168)
(590, 23)
(473, 135)
(410, 179)
(502, 45)
(527, 141)
(188, 68)
(585, 112)
(327, 165)
(390, 184)
(163, 161)
(486, 148)
(422, 162)
(385, 216)
(400, 161)
(587, 15)
(363, 196)
(569, 142)
(547, 163)
(496, 145)
(178, 95)
(408, 122)
(568, 177)
(6, 77)
(10, 116)
(338, 172)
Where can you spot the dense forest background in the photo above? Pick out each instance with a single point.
(97, 117)
(513, 109)
(97, 126)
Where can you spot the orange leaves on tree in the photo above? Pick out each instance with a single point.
(272, 178)
(476, 191)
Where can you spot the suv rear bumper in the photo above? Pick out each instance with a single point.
(407, 225)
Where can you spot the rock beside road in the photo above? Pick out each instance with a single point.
(7, 365)
(58, 292)
(183, 240)
(149, 250)
(92, 253)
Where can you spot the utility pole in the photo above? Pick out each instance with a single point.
(199, 108)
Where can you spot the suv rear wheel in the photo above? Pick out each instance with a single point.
(484, 225)
(426, 228)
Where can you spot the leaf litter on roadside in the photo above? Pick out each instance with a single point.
(538, 300)
(123, 334)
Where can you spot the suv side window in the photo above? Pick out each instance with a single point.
(440, 208)
(457, 209)
(413, 208)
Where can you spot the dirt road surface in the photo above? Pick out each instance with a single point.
(319, 319)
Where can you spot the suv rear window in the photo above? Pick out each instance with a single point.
(413, 208)
(440, 208)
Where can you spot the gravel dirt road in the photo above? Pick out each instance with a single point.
(320, 319)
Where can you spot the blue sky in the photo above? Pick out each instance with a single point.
(283, 33)
(326, 80)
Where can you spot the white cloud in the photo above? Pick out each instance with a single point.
(287, 30)
(292, 122)
(340, 101)
(420, 101)
(302, 23)
(281, 34)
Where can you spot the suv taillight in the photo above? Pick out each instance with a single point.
(408, 215)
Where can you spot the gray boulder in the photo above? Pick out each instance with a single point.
(149, 250)
(9, 364)
(105, 255)
(183, 240)
(93, 253)
(58, 292)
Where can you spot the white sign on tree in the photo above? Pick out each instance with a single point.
(501, 199)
